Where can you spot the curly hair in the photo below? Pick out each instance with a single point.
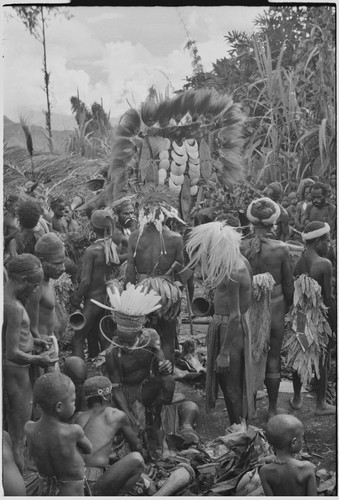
(50, 389)
(28, 214)
(54, 202)
(22, 265)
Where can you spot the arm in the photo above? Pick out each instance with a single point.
(264, 483)
(327, 293)
(229, 333)
(286, 277)
(332, 218)
(306, 218)
(297, 218)
(130, 435)
(311, 488)
(130, 269)
(285, 229)
(86, 276)
(13, 352)
(33, 309)
(13, 248)
(82, 441)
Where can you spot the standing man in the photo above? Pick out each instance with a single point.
(314, 264)
(100, 260)
(41, 307)
(320, 209)
(267, 255)
(281, 231)
(216, 247)
(153, 250)
(24, 277)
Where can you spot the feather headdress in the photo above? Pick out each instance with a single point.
(216, 247)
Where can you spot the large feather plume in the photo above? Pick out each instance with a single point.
(216, 248)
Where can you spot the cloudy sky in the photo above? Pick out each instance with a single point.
(112, 53)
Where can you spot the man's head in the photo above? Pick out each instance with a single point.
(75, 368)
(274, 191)
(26, 271)
(96, 389)
(68, 212)
(129, 328)
(102, 222)
(125, 213)
(317, 235)
(318, 194)
(28, 214)
(263, 212)
(51, 251)
(285, 432)
(58, 206)
(55, 394)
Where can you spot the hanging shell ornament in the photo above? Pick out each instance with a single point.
(193, 190)
(174, 187)
(177, 169)
(164, 154)
(162, 175)
(177, 179)
(194, 181)
(164, 164)
(192, 149)
(179, 149)
(179, 159)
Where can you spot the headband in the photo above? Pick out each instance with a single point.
(317, 233)
(270, 220)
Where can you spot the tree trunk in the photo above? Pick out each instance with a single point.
(46, 79)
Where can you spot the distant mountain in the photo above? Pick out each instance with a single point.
(63, 126)
(13, 135)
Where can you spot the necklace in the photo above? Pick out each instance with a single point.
(279, 462)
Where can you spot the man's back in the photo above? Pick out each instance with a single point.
(294, 478)
(270, 258)
(95, 270)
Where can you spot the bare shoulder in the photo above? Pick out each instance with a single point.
(72, 431)
(12, 308)
(115, 416)
(29, 427)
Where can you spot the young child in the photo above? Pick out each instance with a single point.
(285, 475)
(54, 444)
(100, 423)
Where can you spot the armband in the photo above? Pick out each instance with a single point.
(115, 385)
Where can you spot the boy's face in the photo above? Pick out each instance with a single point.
(68, 213)
(67, 405)
(54, 266)
(298, 440)
(31, 283)
(323, 245)
(59, 210)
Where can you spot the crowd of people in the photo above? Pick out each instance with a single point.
(141, 252)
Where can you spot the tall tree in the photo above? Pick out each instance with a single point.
(35, 19)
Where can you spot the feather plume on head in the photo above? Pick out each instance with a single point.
(216, 247)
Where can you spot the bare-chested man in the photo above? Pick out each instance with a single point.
(152, 251)
(10, 220)
(100, 259)
(101, 423)
(320, 209)
(315, 264)
(216, 247)
(267, 255)
(125, 224)
(41, 306)
(281, 229)
(24, 277)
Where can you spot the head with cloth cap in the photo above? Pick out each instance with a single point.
(102, 221)
(317, 234)
(51, 251)
(263, 212)
(97, 387)
(274, 191)
(123, 211)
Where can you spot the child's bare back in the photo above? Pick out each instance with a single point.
(293, 478)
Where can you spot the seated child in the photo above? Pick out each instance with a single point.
(75, 368)
(12, 481)
(54, 444)
(285, 475)
(101, 423)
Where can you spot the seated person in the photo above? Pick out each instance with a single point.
(139, 371)
(54, 444)
(101, 423)
(285, 475)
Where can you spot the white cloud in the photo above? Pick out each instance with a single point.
(111, 16)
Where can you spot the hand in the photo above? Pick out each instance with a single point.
(44, 343)
(223, 362)
(165, 367)
(45, 361)
(75, 301)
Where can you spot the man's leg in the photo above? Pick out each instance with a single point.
(167, 332)
(19, 409)
(121, 476)
(232, 382)
(272, 380)
(296, 402)
(92, 314)
(323, 408)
